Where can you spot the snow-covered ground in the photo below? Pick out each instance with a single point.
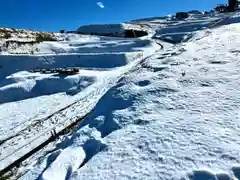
(33, 104)
(152, 113)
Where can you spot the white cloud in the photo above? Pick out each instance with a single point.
(100, 4)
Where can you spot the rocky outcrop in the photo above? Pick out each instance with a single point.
(12, 40)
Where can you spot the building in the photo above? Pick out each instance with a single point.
(232, 4)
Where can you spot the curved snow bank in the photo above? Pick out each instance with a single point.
(112, 54)
(182, 31)
(12, 64)
(103, 45)
(29, 85)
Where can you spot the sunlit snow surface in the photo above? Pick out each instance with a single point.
(174, 115)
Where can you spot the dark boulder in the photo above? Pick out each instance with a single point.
(135, 33)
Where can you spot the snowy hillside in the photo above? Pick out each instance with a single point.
(165, 106)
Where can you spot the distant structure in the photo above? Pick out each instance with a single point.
(222, 8)
(181, 15)
(230, 7)
(232, 4)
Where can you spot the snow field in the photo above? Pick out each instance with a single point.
(170, 114)
(174, 117)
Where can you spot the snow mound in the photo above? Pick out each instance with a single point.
(12, 64)
(117, 30)
(25, 85)
(102, 45)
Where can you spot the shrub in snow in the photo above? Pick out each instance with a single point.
(7, 35)
(44, 37)
(62, 31)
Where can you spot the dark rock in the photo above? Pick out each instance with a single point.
(135, 33)
(62, 31)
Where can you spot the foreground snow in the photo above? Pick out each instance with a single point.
(174, 116)
(42, 103)
(151, 113)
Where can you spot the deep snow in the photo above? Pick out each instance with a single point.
(42, 103)
(160, 114)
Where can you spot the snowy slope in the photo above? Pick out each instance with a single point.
(175, 116)
(151, 113)
(42, 101)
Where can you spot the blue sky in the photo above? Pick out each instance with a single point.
(53, 15)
